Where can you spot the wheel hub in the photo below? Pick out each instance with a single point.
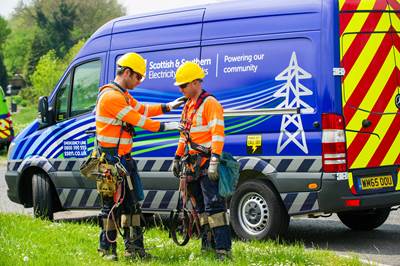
(253, 213)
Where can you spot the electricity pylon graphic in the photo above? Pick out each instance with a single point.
(291, 125)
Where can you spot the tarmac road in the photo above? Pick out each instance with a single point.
(381, 245)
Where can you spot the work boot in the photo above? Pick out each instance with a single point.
(207, 239)
(138, 253)
(223, 255)
(134, 248)
(107, 254)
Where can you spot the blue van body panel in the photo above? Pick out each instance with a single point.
(171, 28)
(243, 19)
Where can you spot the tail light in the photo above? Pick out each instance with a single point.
(333, 144)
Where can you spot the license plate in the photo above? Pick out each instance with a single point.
(376, 182)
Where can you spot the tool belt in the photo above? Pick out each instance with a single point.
(108, 175)
(191, 167)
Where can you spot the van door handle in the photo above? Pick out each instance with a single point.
(366, 123)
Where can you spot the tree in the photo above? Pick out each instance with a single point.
(4, 32)
(50, 69)
(3, 73)
(42, 25)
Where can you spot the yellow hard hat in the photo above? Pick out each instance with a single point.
(134, 61)
(188, 72)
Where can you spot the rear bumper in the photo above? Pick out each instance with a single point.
(334, 193)
(12, 180)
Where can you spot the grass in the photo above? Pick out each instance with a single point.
(28, 241)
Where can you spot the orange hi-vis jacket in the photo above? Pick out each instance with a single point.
(115, 106)
(207, 127)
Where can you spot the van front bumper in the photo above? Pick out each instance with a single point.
(334, 193)
(12, 180)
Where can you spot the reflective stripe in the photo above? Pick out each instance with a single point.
(199, 129)
(218, 138)
(137, 106)
(109, 121)
(141, 121)
(182, 140)
(146, 110)
(123, 112)
(215, 122)
(114, 140)
(199, 114)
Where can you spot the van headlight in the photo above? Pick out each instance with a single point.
(10, 149)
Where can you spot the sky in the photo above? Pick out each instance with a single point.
(133, 7)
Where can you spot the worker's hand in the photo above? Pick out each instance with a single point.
(176, 167)
(176, 103)
(171, 126)
(213, 168)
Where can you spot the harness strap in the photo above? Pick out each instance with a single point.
(188, 124)
(115, 87)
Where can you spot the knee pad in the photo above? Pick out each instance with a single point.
(128, 220)
(218, 219)
(108, 224)
(203, 218)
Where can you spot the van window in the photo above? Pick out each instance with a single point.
(62, 99)
(85, 87)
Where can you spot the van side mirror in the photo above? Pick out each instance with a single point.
(43, 108)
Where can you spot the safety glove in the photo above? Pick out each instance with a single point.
(176, 103)
(176, 166)
(213, 168)
(169, 126)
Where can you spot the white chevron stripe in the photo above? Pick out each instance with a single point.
(92, 198)
(157, 199)
(63, 195)
(77, 198)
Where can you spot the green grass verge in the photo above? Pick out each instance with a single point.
(28, 241)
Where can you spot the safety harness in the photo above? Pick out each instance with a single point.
(185, 222)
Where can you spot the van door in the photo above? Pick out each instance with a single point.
(370, 45)
(65, 143)
(370, 56)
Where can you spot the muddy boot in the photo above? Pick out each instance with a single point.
(134, 248)
(223, 255)
(109, 254)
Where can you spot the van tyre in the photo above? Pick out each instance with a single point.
(43, 196)
(364, 220)
(257, 212)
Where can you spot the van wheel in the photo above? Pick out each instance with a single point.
(364, 220)
(43, 196)
(256, 211)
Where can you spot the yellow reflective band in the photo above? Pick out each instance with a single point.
(114, 140)
(199, 129)
(218, 138)
(108, 120)
(124, 111)
(137, 106)
(216, 122)
(141, 121)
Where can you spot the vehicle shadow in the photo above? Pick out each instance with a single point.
(333, 235)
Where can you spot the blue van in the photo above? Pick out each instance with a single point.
(310, 90)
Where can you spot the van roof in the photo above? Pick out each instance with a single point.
(214, 12)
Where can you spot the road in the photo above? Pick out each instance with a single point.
(381, 245)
